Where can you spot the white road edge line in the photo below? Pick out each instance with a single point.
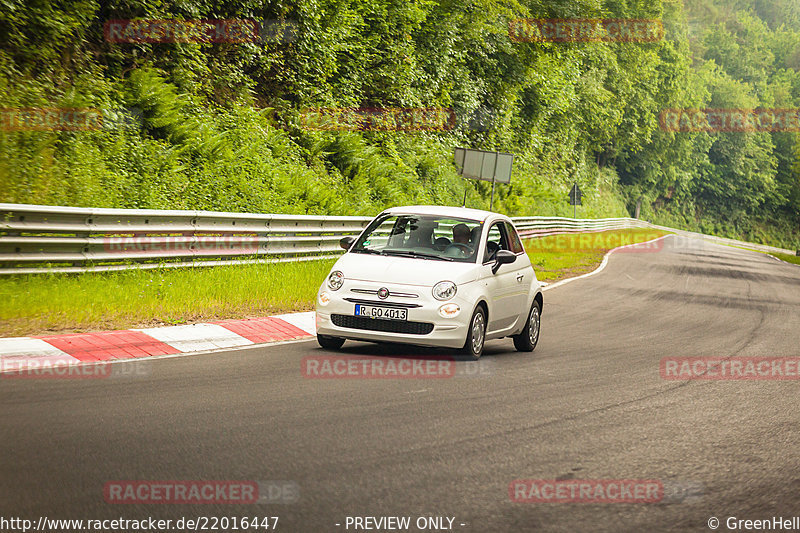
(602, 264)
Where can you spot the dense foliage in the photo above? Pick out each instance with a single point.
(218, 125)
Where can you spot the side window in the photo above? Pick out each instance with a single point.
(516, 243)
(496, 240)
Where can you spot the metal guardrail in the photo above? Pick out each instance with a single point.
(543, 226)
(529, 227)
(725, 241)
(41, 239)
(67, 239)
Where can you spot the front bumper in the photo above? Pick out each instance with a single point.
(424, 326)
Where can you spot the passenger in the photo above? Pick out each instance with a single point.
(475, 236)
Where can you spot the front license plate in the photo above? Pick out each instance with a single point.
(391, 313)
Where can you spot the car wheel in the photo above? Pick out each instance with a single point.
(526, 341)
(330, 343)
(476, 335)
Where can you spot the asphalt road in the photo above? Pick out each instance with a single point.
(589, 403)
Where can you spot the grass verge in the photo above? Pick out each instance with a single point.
(788, 258)
(557, 257)
(63, 303)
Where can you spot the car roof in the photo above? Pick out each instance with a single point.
(456, 212)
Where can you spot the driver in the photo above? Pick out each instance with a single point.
(461, 234)
(461, 238)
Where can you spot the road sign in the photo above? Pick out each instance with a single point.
(484, 165)
(575, 198)
(575, 195)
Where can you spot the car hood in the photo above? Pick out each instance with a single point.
(404, 270)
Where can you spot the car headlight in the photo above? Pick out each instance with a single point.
(335, 280)
(444, 290)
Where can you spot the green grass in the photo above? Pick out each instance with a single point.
(564, 256)
(61, 303)
(788, 258)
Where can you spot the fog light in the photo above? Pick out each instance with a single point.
(449, 310)
(324, 299)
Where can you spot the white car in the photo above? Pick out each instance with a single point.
(433, 276)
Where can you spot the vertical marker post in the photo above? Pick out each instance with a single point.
(494, 175)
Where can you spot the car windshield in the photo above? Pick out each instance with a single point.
(437, 238)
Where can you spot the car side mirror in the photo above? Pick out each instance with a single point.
(347, 242)
(503, 257)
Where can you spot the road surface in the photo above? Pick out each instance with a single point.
(590, 403)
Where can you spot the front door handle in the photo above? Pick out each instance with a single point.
(519, 278)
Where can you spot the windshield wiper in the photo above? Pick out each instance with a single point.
(366, 251)
(413, 253)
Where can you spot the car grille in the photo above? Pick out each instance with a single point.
(394, 293)
(384, 302)
(380, 324)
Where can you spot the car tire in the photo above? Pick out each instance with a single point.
(526, 341)
(476, 335)
(330, 343)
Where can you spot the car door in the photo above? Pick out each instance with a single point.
(502, 286)
(523, 274)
